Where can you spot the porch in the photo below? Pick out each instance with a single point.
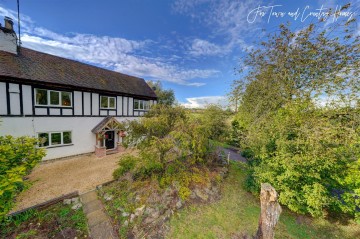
(109, 137)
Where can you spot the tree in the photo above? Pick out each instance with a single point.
(165, 97)
(305, 146)
(213, 119)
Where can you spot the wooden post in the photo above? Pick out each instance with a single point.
(270, 212)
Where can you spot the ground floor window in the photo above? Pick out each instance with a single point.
(48, 139)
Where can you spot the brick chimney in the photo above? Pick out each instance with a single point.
(8, 38)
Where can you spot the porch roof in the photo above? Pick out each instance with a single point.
(109, 123)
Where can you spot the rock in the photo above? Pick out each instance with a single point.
(120, 209)
(149, 210)
(132, 217)
(125, 214)
(152, 213)
(169, 192)
(137, 198)
(149, 220)
(67, 201)
(176, 185)
(76, 206)
(126, 223)
(108, 197)
(203, 196)
(179, 204)
(75, 200)
(139, 211)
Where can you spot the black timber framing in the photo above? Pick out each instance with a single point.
(8, 108)
(21, 100)
(47, 86)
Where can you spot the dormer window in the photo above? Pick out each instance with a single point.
(107, 102)
(53, 98)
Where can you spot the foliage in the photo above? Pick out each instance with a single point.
(47, 223)
(240, 208)
(213, 119)
(306, 147)
(165, 97)
(172, 146)
(126, 164)
(18, 156)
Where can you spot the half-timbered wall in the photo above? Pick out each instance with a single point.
(19, 100)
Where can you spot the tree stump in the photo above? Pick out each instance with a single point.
(270, 212)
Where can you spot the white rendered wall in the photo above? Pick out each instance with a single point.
(125, 105)
(119, 105)
(27, 101)
(83, 139)
(3, 102)
(131, 106)
(87, 103)
(77, 103)
(95, 104)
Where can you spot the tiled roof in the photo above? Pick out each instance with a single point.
(41, 67)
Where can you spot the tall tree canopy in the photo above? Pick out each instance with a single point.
(165, 97)
(300, 118)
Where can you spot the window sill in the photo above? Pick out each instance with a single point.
(56, 146)
(53, 106)
(107, 108)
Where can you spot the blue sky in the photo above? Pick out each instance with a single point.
(191, 46)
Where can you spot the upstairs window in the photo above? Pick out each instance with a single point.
(141, 105)
(50, 139)
(52, 98)
(107, 102)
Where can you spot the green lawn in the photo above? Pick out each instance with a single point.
(238, 212)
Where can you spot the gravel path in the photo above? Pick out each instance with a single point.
(80, 173)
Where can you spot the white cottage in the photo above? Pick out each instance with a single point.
(72, 107)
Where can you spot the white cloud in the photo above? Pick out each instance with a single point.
(201, 47)
(226, 18)
(110, 52)
(202, 102)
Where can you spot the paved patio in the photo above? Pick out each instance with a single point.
(79, 173)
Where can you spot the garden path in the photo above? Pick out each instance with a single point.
(80, 173)
(234, 154)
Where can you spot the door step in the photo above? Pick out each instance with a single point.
(111, 151)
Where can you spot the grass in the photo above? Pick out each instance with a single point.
(58, 221)
(238, 212)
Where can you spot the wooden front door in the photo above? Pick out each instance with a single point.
(110, 139)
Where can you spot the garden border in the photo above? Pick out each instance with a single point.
(47, 203)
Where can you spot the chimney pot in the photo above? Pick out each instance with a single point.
(9, 24)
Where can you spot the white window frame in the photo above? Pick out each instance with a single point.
(55, 132)
(48, 98)
(143, 104)
(108, 100)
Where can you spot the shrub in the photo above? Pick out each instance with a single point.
(18, 156)
(126, 163)
(149, 169)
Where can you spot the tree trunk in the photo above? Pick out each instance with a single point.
(270, 212)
